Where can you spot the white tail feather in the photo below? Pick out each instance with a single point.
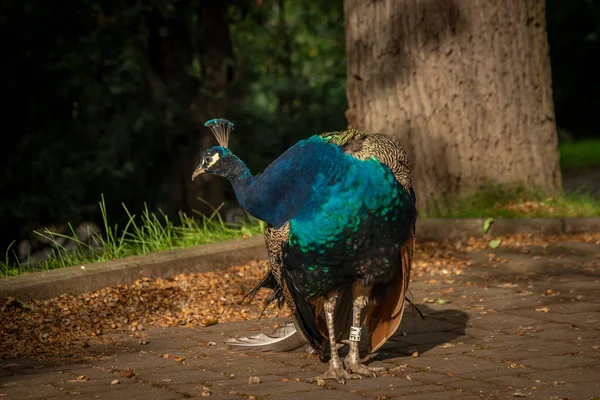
(285, 338)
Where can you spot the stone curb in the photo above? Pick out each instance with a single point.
(79, 279)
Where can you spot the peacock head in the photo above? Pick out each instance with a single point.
(219, 160)
(214, 161)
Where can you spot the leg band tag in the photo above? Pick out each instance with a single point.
(355, 333)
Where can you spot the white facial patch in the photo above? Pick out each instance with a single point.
(212, 160)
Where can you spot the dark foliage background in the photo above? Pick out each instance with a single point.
(107, 97)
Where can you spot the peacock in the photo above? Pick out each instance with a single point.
(340, 213)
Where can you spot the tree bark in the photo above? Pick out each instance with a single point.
(464, 85)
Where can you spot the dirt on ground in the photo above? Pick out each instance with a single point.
(68, 323)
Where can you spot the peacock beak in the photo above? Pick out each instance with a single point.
(200, 170)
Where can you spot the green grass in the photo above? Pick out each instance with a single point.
(148, 233)
(498, 201)
(580, 154)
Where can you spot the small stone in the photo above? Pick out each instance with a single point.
(252, 397)
(114, 382)
(83, 378)
(321, 382)
(519, 394)
(254, 380)
(206, 393)
(415, 354)
(128, 373)
(144, 341)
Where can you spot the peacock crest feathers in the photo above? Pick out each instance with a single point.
(221, 128)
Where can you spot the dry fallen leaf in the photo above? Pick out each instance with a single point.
(53, 328)
(114, 382)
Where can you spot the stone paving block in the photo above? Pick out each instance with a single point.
(445, 349)
(225, 363)
(572, 307)
(475, 387)
(177, 374)
(319, 394)
(161, 345)
(567, 375)
(130, 393)
(558, 362)
(578, 287)
(584, 390)
(461, 365)
(583, 319)
(195, 390)
(525, 351)
(504, 371)
(502, 321)
(294, 359)
(511, 303)
(255, 366)
(270, 385)
(39, 391)
(439, 394)
(435, 338)
(99, 386)
(31, 368)
(566, 332)
(513, 383)
(134, 361)
(415, 324)
(42, 378)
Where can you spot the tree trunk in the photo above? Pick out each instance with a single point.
(464, 85)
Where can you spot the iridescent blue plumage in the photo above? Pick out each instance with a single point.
(341, 222)
(327, 196)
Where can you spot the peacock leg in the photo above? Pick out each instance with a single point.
(336, 369)
(352, 360)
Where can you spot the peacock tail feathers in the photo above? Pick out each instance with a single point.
(364, 145)
(342, 138)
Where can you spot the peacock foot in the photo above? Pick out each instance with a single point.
(337, 373)
(355, 367)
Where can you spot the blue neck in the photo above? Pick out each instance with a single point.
(289, 183)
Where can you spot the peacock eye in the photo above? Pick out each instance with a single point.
(207, 160)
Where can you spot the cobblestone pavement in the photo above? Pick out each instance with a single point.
(522, 323)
